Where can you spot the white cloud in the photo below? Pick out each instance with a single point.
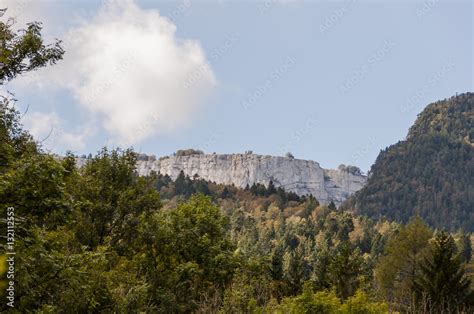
(22, 12)
(40, 125)
(127, 67)
(48, 129)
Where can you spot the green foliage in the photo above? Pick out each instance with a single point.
(225, 193)
(361, 304)
(52, 267)
(35, 187)
(344, 270)
(99, 238)
(188, 152)
(110, 198)
(24, 51)
(429, 174)
(328, 302)
(294, 270)
(271, 188)
(187, 253)
(451, 117)
(465, 247)
(310, 302)
(251, 287)
(276, 267)
(400, 267)
(443, 286)
(15, 143)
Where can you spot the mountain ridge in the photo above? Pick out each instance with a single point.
(303, 177)
(430, 174)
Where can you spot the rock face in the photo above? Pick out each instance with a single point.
(296, 175)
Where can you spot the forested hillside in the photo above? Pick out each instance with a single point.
(102, 239)
(430, 174)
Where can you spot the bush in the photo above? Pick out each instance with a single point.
(189, 152)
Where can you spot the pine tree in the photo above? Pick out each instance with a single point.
(292, 196)
(199, 186)
(271, 188)
(344, 269)
(443, 286)
(465, 247)
(261, 189)
(180, 183)
(294, 270)
(398, 270)
(225, 193)
(276, 269)
(253, 189)
(281, 192)
(332, 206)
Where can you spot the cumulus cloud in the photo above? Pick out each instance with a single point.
(22, 11)
(127, 67)
(48, 128)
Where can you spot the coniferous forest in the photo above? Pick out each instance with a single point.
(430, 173)
(101, 239)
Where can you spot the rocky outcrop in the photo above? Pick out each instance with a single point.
(296, 175)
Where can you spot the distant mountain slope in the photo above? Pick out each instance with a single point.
(429, 174)
(452, 118)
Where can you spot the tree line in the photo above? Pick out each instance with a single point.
(100, 238)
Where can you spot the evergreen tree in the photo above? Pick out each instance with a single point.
(428, 174)
(292, 196)
(399, 269)
(226, 193)
(179, 183)
(465, 247)
(261, 190)
(271, 188)
(313, 200)
(282, 194)
(320, 268)
(332, 206)
(443, 286)
(184, 185)
(276, 269)
(344, 269)
(294, 271)
(199, 186)
(253, 189)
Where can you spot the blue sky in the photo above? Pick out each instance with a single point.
(326, 80)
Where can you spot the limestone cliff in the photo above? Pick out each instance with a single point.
(296, 175)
